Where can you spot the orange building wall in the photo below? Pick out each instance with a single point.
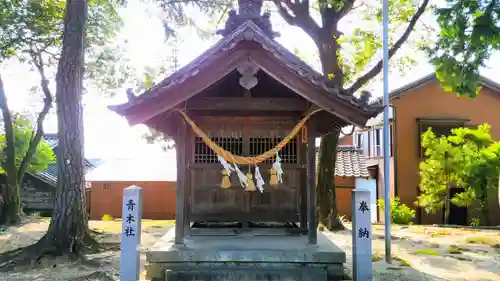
(346, 140)
(344, 185)
(431, 101)
(158, 199)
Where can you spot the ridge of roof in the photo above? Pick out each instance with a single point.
(427, 79)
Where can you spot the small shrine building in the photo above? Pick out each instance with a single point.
(244, 116)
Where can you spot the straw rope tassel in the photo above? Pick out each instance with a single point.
(226, 172)
(250, 183)
(274, 177)
(225, 183)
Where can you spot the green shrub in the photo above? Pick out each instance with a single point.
(107, 217)
(426, 252)
(400, 213)
(475, 222)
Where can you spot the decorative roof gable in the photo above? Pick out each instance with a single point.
(249, 10)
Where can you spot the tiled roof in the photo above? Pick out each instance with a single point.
(52, 140)
(50, 174)
(350, 162)
(249, 31)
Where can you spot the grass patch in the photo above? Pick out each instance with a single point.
(483, 240)
(460, 248)
(418, 230)
(454, 251)
(377, 257)
(434, 245)
(111, 226)
(107, 217)
(426, 252)
(402, 262)
(116, 225)
(158, 224)
(440, 233)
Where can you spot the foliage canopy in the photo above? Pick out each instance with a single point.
(468, 159)
(23, 132)
(469, 34)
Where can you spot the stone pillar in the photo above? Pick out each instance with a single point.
(370, 185)
(131, 234)
(361, 235)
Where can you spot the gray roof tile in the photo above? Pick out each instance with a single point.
(350, 162)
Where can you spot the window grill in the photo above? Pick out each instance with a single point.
(204, 154)
(259, 138)
(260, 145)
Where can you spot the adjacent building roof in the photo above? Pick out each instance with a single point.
(350, 162)
(378, 120)
(486, 82)
(50, 174)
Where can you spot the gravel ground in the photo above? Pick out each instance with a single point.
(421, 253)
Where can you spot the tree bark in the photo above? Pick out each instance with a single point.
(11, 207)
(484, 202)
(327, 207)
(446, 215)
(68, 227)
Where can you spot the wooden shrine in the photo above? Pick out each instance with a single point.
(244, 116)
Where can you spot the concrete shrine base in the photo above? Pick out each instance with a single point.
(244, 255)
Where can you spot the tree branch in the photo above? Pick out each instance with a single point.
(47, 104)
(378, 67)
(10, 150)
(301, 16)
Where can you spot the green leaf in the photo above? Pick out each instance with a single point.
(23, 132)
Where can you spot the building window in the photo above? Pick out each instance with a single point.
(260, 145)
(369, 144)
(358, 140)
(204, 154)
(391, 140)
(235, 143)
(377, 142)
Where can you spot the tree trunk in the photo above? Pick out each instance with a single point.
(446, 215)
(69, 225)
(484, 202)
(326, 193)
(11, 212)
(11, 206)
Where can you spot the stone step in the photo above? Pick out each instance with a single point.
(250, 274)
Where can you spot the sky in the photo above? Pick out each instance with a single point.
(107, 135)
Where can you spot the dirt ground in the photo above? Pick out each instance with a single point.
(419, 253)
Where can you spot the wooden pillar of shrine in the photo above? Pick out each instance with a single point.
(311, 182)
(180, 191)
